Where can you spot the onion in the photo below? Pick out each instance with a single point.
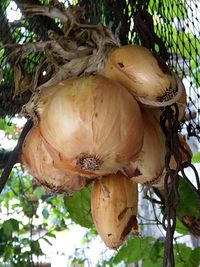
(40, 164)
(94, 123)
(181, 103)
(173, 164)
(114, 205)
(147, 77)
(151, 160)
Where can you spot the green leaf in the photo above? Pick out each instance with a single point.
(6, 127)
(79, 207)
(181, 228)
(150, 263)
(156, 251)
(189, 202)
(134, 250)
(196, 157)
(182, 253)
(39, 192)
(10, 226)
(181, 42)
(169, 10)
(195, 257)
(45, 213)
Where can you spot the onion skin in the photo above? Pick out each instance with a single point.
(94, 123)
(40, 164)
(181, 103)
(173, 164)
(151, 160)
(114, 205)
(144, 74)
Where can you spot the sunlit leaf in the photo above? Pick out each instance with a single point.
(10, 226)
(189, 202)
(39, 192)
(135, 249)
(168, 9)
(195, 257)
(181, 228)
(79, 207)
(196, 157)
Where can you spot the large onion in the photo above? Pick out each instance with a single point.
(94, 123)
(40, 164)
(144, 74)
(151, 160)
(114, 205)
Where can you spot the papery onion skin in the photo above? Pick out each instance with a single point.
(94, 123)
(144, 74)
(114, 203)
(186, 157)
(151, 160)
(40, 164)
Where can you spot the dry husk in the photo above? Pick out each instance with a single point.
(114, 205)
(81, 49)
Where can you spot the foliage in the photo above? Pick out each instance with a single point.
(196, 157)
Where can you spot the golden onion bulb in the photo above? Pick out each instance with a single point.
(94, 123)
(147, 77)
(185, 157)
(114, 204)
(40, 164)
(151, 160)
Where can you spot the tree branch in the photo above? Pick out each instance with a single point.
(4, 156)
(14, 156)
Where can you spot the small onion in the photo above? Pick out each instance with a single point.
(151, 160)
(185, 158)
(40, 164)
(114, 204)
(94, 123)
(147, 77)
